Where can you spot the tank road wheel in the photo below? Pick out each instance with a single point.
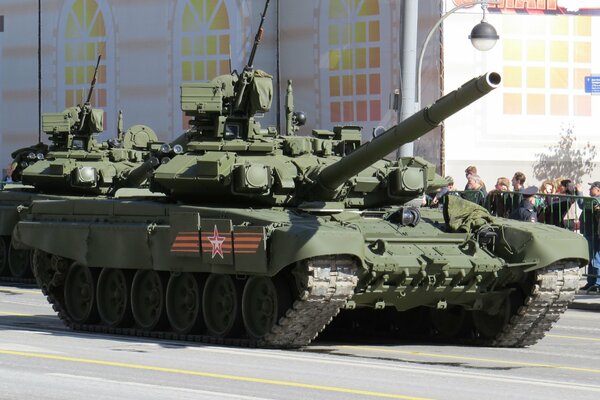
(19, 262)
(453, 322)
(490, 325)
(221, 305)
(113, 297)
(184, 295)
(264, 301)
(3, 255)
(80, 296)
(148, 299)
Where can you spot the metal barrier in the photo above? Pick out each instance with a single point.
(576, 213)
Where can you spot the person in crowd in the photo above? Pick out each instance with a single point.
(8, 176)
(545, 190)
(471, 170)
(568, 205)
(518, 181)
(502, 184)
(474, 183)
(437, 199)
(497, 199)
(567, 187)
(547, 187)
(588, 222)
(526, 210)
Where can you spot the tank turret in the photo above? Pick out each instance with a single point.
(231, 158)
(76, 163)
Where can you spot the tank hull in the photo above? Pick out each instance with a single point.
(15, 264)
(310, 265)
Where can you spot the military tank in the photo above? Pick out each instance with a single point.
(262, 238)
(74, 164)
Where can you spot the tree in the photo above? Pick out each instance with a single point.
(565, 159)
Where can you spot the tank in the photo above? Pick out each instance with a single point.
(262, 238)
(74, 164)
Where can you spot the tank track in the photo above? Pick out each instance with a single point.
(328, 282)
(554, 289)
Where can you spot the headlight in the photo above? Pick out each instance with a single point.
(165, 160)
(178, 149)
(406, 216)
(165, 148)
(40, 156)
(31, 156)
(85, 177)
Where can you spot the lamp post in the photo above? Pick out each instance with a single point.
(483, 37)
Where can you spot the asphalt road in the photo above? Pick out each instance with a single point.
(39, 358)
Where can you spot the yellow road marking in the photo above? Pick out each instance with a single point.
(210, 375)
(10, 314)
(575, 337)
(446, 356)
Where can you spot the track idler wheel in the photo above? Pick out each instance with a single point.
(221, 305)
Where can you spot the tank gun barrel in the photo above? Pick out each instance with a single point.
(407, 131)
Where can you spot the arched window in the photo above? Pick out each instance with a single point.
(204, 44)
(356, 69)
(86, 32)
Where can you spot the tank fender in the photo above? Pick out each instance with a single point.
(68, 240)
(543, 244)
(9, 217)
(296, 242)
(124, 245)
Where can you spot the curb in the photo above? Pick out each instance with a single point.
(582, 305)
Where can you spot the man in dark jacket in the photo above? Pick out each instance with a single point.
(588, 223)
(526, 210)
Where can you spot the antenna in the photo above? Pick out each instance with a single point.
(89, 96)
(258, 37)
(84, 108)
(247, 74)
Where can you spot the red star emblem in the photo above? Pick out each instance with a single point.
(216, 242)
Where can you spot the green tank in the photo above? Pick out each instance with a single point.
(74, 164)
(262, 238)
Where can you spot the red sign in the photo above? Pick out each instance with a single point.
(578, 7)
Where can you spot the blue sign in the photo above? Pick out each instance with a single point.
(592, 84)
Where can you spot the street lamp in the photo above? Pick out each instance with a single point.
(483, 37)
